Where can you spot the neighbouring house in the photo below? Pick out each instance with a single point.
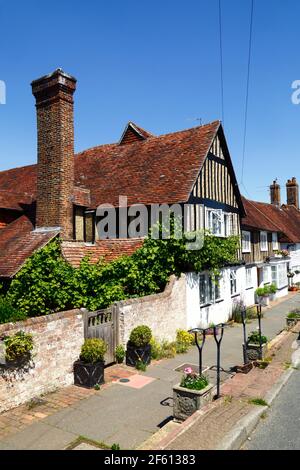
(59, 196)
(267, 231)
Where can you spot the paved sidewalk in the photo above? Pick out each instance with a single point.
(125, 413)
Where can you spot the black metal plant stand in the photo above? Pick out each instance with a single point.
(218, 340)
(199, 347)
(259, 315)
(244, 317)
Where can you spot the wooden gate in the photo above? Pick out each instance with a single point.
(103, 324)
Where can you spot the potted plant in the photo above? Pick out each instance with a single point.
(293, 318)
(138, 347)
(120, 354)
(89, 369)
(18, 349)
(256, 346)
(191, 394)
(272, 292)
(262, 294)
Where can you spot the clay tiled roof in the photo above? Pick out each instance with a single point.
(159, 169)
(108, 250)
(14, 201)
(263, 216)
(17, 243)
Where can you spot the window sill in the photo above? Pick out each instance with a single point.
(219, 301)
(249, 288)
(205, 305)
(233, 296)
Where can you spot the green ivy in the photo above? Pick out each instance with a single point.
(47, 283)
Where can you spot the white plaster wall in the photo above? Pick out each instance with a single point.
(219, 312)
(295, 258)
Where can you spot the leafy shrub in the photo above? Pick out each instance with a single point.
(273, 289)
(47, 283)
(18, 346)
(193, 381)
(185, 337)
(8, 313)
(140, 365)
(93, 350)
(262, 291)
(237, 310)
(162, 350)
(294, 314)
(253, 338)
(120, 353)
(140, 336)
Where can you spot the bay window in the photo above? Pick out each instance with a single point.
(279, 275)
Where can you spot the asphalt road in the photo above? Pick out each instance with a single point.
(280, 430)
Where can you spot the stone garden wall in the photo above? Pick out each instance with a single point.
(164, 313)
(57, 342)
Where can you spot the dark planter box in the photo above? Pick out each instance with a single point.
(88, 375)
(134, 354)
(253, 351)
(290, 322)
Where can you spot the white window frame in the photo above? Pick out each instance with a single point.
(275, 244)
(280, 278)
(266, 278)
(246, 243)
(233, 283)
(220, 215)
(264, 243)
(249, 278)
(211, 289)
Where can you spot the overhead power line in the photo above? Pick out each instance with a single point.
(247, 90)
(221, 61)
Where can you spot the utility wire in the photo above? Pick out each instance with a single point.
(221, 61)
(247, 90)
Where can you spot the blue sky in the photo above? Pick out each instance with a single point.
(156, 62)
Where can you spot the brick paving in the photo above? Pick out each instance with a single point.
(19, 418)
(221, 417)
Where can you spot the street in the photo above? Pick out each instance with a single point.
(280, 430)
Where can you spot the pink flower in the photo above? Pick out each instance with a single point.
(188, 370)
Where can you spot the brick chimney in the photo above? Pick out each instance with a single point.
(55, 128)
(275, 194)
(292, 193)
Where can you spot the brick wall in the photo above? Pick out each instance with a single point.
(57, 342)
(164, 313)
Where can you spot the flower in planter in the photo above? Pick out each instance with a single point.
(193, 381)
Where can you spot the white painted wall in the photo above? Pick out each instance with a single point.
(295, 258)
(219, 312)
